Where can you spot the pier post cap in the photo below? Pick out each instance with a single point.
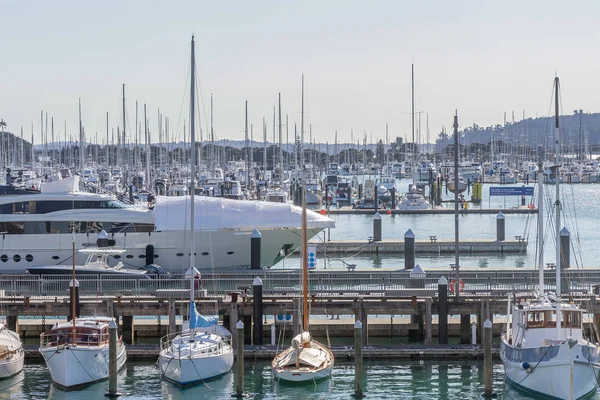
(76, 283)
(487, 324)
(377, 215)
(257, 282)
(112, 324)
(500, 215)
(443, 281)
(256, 234)
(102, 234)
(417, 272)
(239, 325)
(358, 324)
(564, 232)
(409, 234)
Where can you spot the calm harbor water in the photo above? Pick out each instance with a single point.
(580, 215)
(426, 380)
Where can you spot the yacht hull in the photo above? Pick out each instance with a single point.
(12, 366)
(189, 371)
(218, 249)
(567, 375)
(72, 368)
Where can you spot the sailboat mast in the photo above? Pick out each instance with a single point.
(304, 261)
(193, 171)
(412, 114)
(557, 206)
(456, 220)
(540, 227)
(304, 226)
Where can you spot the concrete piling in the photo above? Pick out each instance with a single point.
(257, 303)
(358, 359)
(112, 361)
(376, 227)
(239, 376)
(443, 310)
(255, 245)
(409, 250)
(487, 359)
(500, 227)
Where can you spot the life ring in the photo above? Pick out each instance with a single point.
(461, 285)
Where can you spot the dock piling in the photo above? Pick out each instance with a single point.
(487, 359)
(257, 303)
(172, 316)
(239, 376)
(273, 334)
(473, 333)
(428, 320)
(409, 250)
(255, 245)
(500, 227)
(376, 227)
(112, 361)
(465, 323)
(443, 310)
(417, 281)
(358, 359)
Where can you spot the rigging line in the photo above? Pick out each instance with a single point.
(182, 101)
(86, 371)
(538, 363)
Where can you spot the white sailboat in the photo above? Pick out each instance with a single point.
(306, 360)
(543, 349)
(11, 353)
(203, 351)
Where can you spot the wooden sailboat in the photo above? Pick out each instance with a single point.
(11, 353)
(543, 349)
(204, 350)
(306, 360)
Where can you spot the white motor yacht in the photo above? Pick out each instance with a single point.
(414, 200)
(38, 229)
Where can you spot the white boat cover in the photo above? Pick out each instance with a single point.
(308, 357)
(9, 340)
(302, 338)
(215, 213)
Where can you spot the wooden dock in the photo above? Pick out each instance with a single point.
(149, 352)
(433, 211)
(432, 246)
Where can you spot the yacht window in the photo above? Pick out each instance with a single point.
(550, 317)
(535, 319)
(571, 319)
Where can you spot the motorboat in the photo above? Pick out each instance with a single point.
(413, 200)
(12, 354)
(543, 348)
(452, 185)
(38, 228)
(97, 263)
(76, 352)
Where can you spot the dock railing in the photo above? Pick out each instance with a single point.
(287, 283)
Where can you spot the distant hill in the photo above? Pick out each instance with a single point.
(531, 132)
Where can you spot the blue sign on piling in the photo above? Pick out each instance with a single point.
(511, 191)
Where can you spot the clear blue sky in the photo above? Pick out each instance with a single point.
(480, 57)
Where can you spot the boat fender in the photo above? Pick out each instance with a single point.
(525, 365)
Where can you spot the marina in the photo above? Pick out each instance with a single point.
(260, 201)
